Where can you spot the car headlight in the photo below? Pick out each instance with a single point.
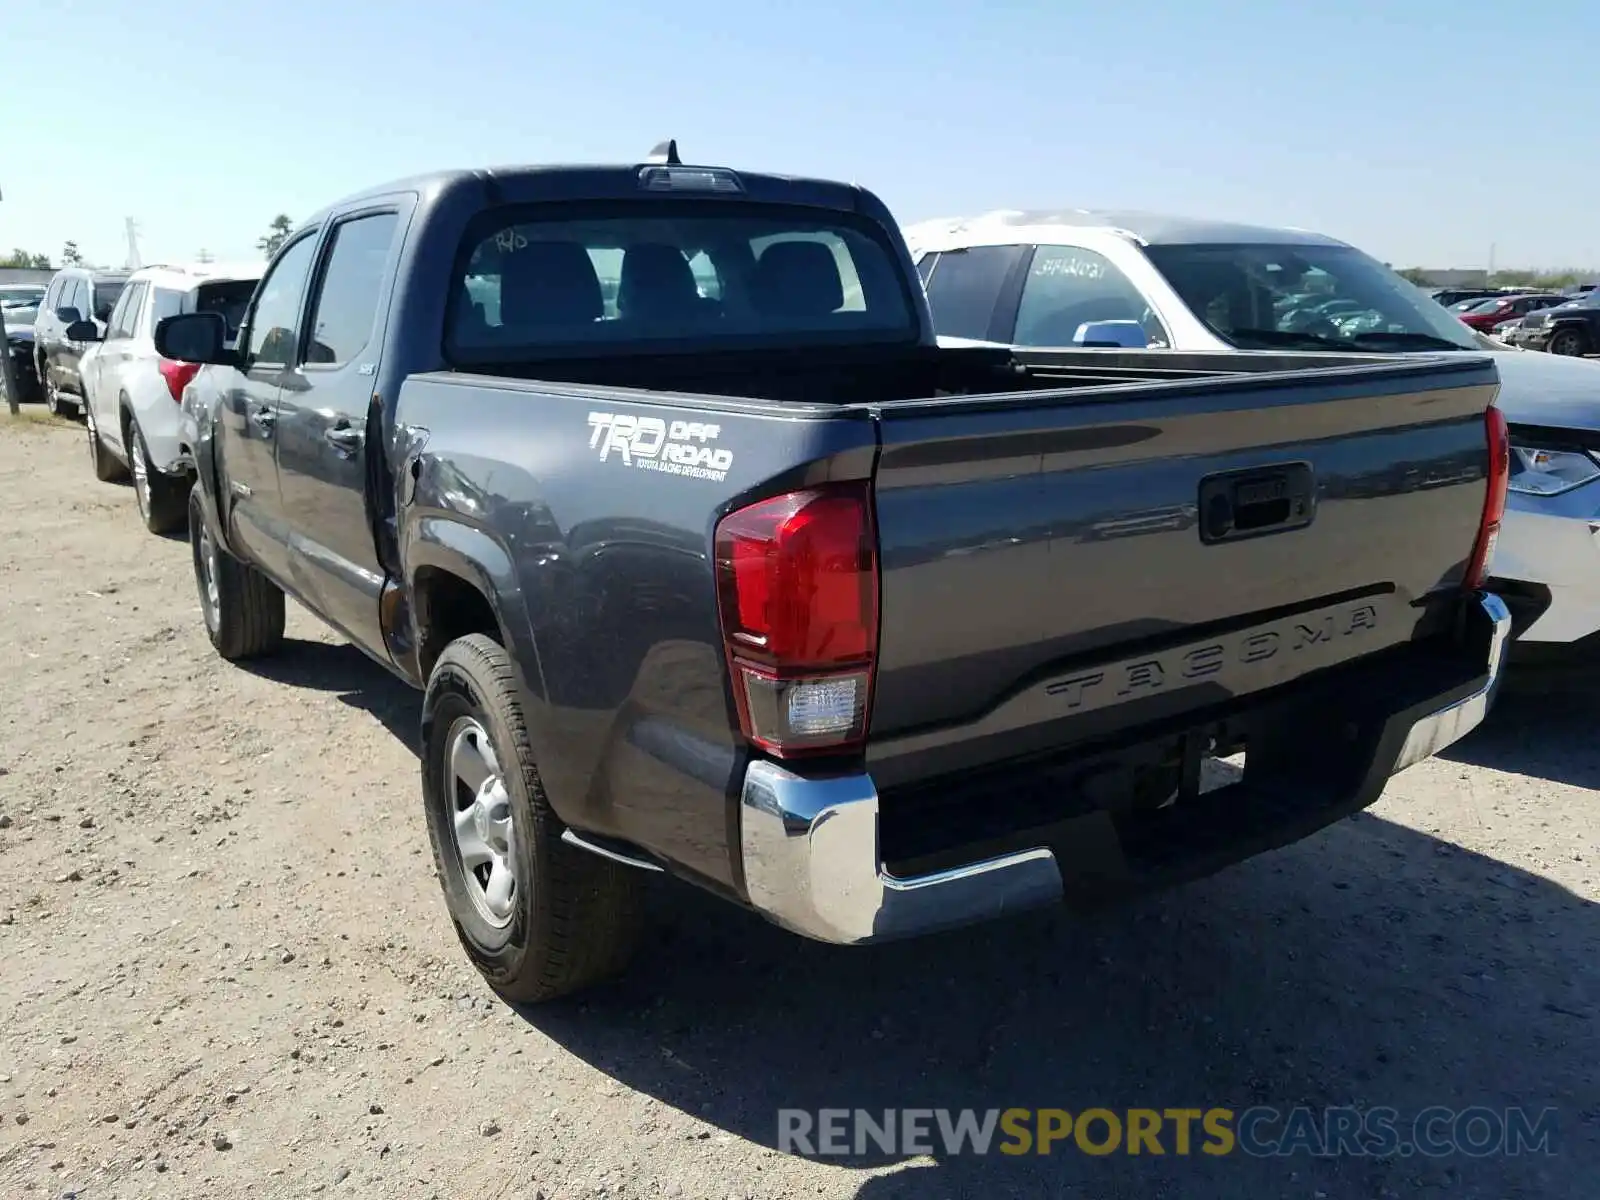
(1541, 471)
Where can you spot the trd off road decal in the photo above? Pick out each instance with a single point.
(651, 444)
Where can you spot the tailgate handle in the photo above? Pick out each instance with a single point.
(1261, 500)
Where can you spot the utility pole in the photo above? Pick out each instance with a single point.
(8, 376)
(134, 261)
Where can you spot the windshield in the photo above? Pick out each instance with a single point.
(21, 296)
(1483, 306)
(666, 275)
(1260, 297)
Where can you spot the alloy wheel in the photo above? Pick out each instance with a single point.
(485, 838)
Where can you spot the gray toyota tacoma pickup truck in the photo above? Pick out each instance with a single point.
(708, 560)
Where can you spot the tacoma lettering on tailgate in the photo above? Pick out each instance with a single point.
(1311, 640)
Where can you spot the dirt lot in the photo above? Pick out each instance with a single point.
(227, 971)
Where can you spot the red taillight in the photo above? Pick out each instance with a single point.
(1494, 499)
(797, 584)
(177, 374)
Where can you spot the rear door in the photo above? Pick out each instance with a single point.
(323, 423)
(102, 370)
(247, 408)
(77, 297)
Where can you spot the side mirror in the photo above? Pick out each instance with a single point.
(1119, 335)
(103, 313)
(83, 331)
(68, 315)
(194, 337)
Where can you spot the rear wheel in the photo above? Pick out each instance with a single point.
(106, 467)
(537, 917)
(1570, 342)
(163, 500)
(243, 609)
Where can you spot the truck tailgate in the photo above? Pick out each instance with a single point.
(1048, 556)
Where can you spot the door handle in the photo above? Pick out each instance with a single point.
(345, 438)
(263, 419)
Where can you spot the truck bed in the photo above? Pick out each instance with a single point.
(1046, 576)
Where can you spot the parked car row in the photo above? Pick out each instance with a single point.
(1134, 281)
(90, 350)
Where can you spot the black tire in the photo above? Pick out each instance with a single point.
(61, 404)
(106, 467)
(1568, 343)
(245, 614)
(163, 500)
(574, 917)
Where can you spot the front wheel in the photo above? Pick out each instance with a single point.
(58, 403)
(243, 609)
(1568, 342)
(538, 918)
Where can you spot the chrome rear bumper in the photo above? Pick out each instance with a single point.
(812, 863)
(1454, 721)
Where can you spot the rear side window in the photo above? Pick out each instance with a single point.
(227, 297)
(965, 289)
(105, 297)
(689, 274)
(346, 303)
(1068, 286)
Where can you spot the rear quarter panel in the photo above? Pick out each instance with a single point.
(599, 557)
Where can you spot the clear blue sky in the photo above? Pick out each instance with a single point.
(1422, 130)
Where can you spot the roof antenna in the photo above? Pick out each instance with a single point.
(666, 152)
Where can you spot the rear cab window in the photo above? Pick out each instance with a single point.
(667, 275)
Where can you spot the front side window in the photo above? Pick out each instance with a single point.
(1068, 287)
(124, 315)
(1269, 297)
(276, 318)
(965, 289)
(664, 275)
(346, 305)
(76, 297)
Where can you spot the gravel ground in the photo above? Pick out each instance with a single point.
(227, 969)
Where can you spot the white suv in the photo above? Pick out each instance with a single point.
(133, 396)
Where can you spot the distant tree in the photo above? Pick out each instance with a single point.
(70, 256)
(1415, 275)
(277, 233)
(23, 258)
